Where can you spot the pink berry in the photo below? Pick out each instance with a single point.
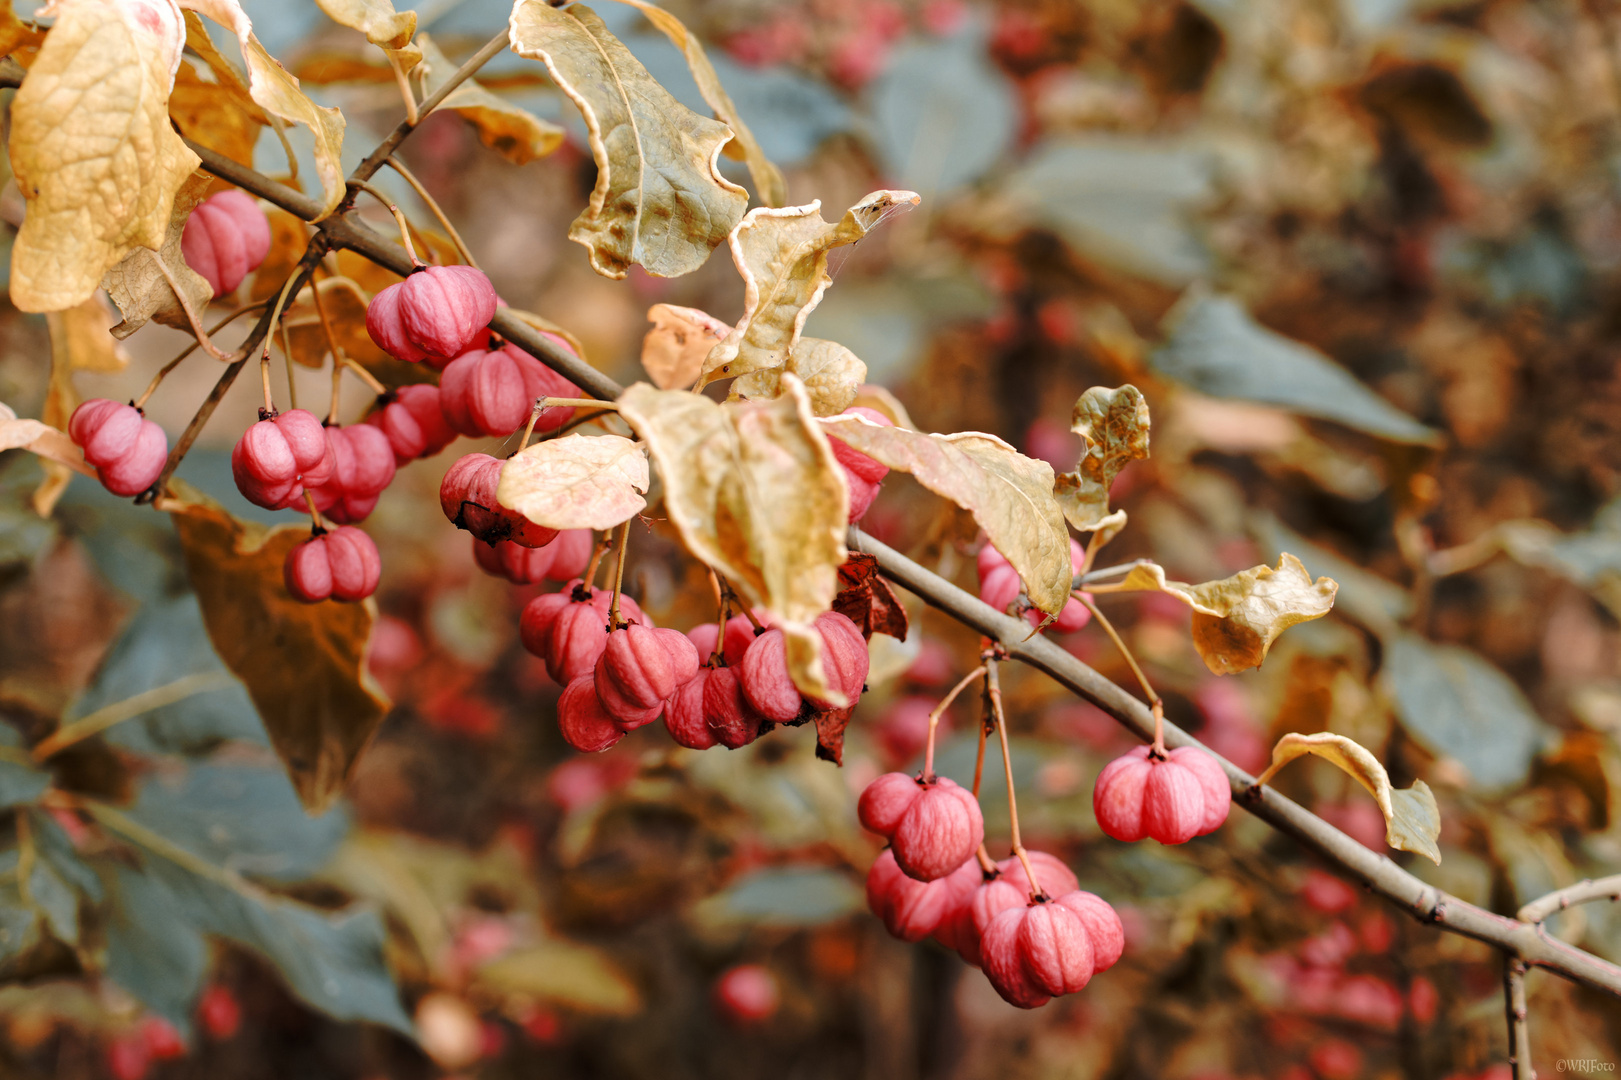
(732, 720)
(127, 450)
(572, 553)
(518, 564)
(912, 909)
(684, 715)
(436, 312)
(764, 675)
(640, 667)
(220, 1012)
(1000, 585)
(277, 458)
(854, 461)
(492, 393)
(467, 497)
(885, 802)
(845, 660)
(747, 994)
(585, 724)
(163, 1041)
(1044, 949)
(939, 831)
(862, 495)
(340, 565)
(414, 422)
(1172, 800)
(225, 237)
(577, 631)
(1007, 889)
(364, 466)
(540, 616)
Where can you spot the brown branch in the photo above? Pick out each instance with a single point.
(1518, 1017)
(1605, 888)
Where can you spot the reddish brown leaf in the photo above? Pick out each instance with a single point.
(866, 599)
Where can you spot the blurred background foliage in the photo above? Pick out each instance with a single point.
(1360, 255)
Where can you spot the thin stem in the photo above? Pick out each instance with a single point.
(337, 380)
(987, 865)
(191, 314)
(993, 689)
(529, 428)
(1604, 888)
(365, 376)
(405, 234)
(287, 363)
(934, 720)
(736, 601)
(614, 621)
(580, 420)
(405, 89)
(189, 349)
(326, 323)
(264, 377)
(436, 210)
(318, 524)
(603, 547)
(1519, 1027)
(108, 715)
(1154, 702)
(723, 610)
(1083, 580)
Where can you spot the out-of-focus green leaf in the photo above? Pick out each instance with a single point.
(566, 973)
(1455, 703)
(20, 781)
(153, 951)
(789, 897)
(1124, 201)
(1216, 347)
(945, 115)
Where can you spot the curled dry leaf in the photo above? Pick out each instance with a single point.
(673, 351)
(304, 664)
(377, 19)
(137, 285)
(1236, 619)
(516, 134)
(866, 599)
(1114, 424)
(41, 439)
(874, 396)
(660, 199)
(92, 147)
(218, 115)
(756, 493)
(277, 92)
(782, 257)
(831, 374)
(768, 181)
(1010, 495)
(576, 482)
(1412, 819)
(81, 340)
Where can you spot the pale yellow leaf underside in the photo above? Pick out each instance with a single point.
(1412, 818)
(1115, 425)
(1010, 495)
(1236, 619)
(782, 257)
(42, 439)
(92, 148)
(831, 374)
(756, 493)
(660, 200)
(576, 482)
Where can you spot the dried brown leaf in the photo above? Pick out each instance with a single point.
(782, 257)
(277, 92)
(576, 482)
(660, 200)
(212, 114)
(1114, 424)
(673, 351)
(19, 40)
(1236, 619)
(756, 493)
(1412, 819)
(1010, 495)
(831, 374)
(768, 181)
(866, 599)
(345, 305)
(515, 133)
(92, 148)
(304, 664)
(137, 284)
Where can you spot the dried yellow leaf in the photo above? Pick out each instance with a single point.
(660, 199)
(515, 133)
(1412, 819)
(874, 396)
(768, 181)
(304, 664)
(137, 285)
(376, 19)
(1010, 495)
(41, 439)
(673, 351)
(1236, 619)
(576, 482)
(831, 373)
(92, 147)
(211, 114)
(782, 257)
(1114, 424)
(756, 493)
(345, 306)
(277, 92)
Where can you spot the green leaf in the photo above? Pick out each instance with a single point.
(20, 783)
(1217, 348)
(153, 951)
(564, 972)
(783, 898)
(1455, 703)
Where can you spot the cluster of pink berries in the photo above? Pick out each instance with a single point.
(226, 237)
(1000, 585)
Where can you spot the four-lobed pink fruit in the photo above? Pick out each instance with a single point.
(933, 824)
(278, 457)
(492, 392)
(467, 497)
(568, 629)
(339, 565)
(1007, 887)
(639, 669)
(764, 668)
(435, 314)
(226, 236)
(127, 450)
(585, 724)
(861, 473)
(561, 559)
(1050, 947)
(1000, 585)
(363, 466)
(415, 424)
(1171, 799)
